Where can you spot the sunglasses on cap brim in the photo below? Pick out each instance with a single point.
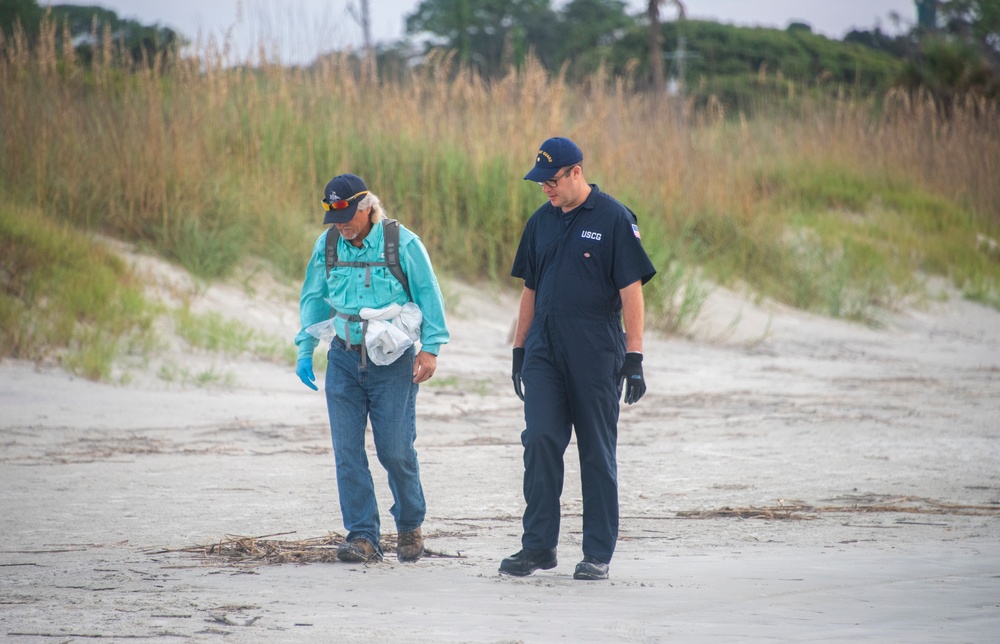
(340, 204)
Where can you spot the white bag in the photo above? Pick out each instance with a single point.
(391, 331)
(323, 331)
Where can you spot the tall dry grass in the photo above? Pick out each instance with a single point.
(208, 163)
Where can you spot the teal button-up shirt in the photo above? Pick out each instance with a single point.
(346, 288)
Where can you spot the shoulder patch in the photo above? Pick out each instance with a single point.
(635, 231)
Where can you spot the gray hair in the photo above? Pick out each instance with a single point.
(372, 201)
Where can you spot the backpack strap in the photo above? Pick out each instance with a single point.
(390, 235)
(390, 238)
(332, 237)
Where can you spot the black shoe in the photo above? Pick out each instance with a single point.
(591, 569)
(528, 561)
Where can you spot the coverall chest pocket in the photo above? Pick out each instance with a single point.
(589, 258)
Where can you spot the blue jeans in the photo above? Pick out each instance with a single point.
(387, 396)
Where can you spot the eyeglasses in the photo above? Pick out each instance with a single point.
(554, 181)
(340, 204)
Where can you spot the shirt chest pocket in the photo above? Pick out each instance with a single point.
(387, 282)
(372, 283)
(339, 276)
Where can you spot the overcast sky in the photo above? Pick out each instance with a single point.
(299, 29)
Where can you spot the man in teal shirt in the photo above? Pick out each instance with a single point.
(358, 390)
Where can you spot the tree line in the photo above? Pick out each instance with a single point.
(953, 49)
(87, 26)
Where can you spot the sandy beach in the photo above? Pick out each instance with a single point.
(786, 478)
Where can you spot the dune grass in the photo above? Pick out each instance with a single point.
(65, 299)
(839, 207)
(213, 333)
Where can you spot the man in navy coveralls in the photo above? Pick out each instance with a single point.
(583, 267)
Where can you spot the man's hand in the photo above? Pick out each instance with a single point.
(631, 373)
(424, 366)
(304, 370)
(515, 373)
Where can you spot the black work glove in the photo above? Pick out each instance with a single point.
(631, 373)
(515, 373)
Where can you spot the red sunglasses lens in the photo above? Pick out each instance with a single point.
(340, 204)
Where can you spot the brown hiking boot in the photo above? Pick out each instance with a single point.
(358, 551)
(410, 546)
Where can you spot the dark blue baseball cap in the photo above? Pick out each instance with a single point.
(341, 198)
(557, 152)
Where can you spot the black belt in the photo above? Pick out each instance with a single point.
(349, 347)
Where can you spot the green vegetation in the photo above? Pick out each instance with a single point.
(838, 201)
(748, 68)
(477, 386)
(211, 377)
(211, 332)
(65, 298)
(86, 27)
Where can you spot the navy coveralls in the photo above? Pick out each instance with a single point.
(576, 263)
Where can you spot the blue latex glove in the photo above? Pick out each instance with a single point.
(304, 370)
